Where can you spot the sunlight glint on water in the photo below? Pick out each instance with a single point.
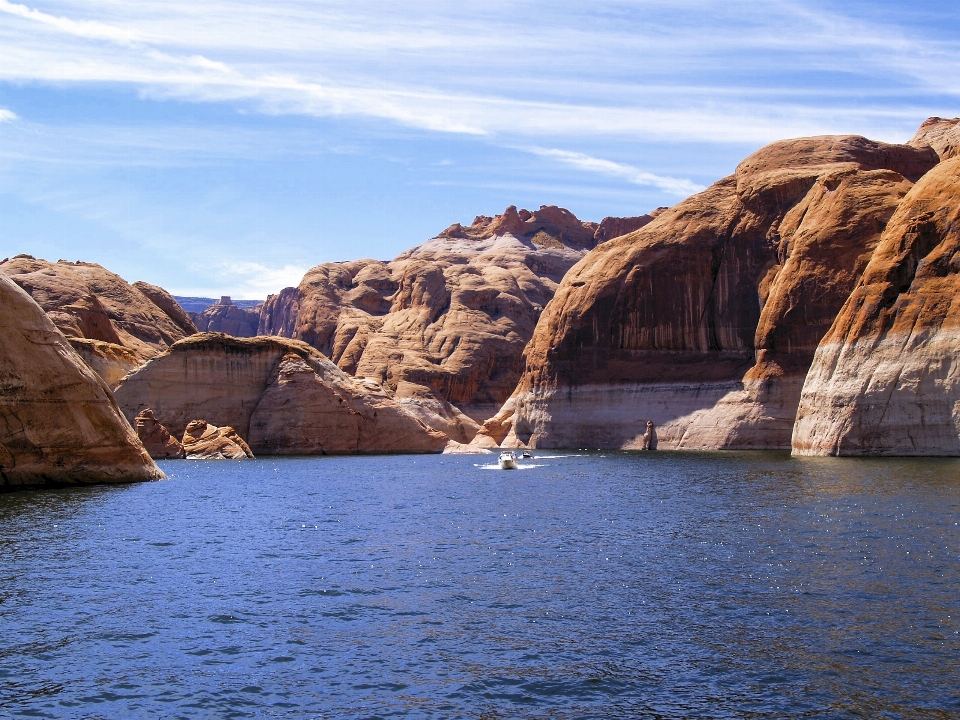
(622, 585)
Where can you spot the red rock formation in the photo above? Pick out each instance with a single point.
(155, 438)
(166, 302)
(225, 317)
(88, 302)
(311, 408)
(886, 378)
(612, 227)
(278, 314)
(59, 424)
(282, 395)
(705, 320)
(111, 362)
(446, 322)
(202, 441)
(942, 135)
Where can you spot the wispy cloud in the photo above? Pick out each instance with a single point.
(492, 71)
(674, 186)
(80, 28)
(7, 115)
(256, 280)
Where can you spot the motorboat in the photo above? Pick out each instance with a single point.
(508, 460)
(527, 454)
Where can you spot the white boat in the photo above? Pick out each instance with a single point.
(508, 460)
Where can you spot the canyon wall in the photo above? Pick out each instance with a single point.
(443, 326)
(59, 424)
(281, 395)
(886, 378)
(706, 320)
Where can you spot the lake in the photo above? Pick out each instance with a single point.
(593, 585)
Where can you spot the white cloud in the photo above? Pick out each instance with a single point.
(7, 115)
(80, 28)
(492, 71)
(674, 186)
(255, 280)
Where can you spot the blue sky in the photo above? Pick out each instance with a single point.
(225, 147)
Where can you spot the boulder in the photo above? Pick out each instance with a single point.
(886, 378)
(202, 441)
(705, 320)
(282, 395)
(59, 424)
(155, 437)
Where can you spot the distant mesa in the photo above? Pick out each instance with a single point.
(226, 317)
(199, 304)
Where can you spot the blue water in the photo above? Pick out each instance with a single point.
(727, 585)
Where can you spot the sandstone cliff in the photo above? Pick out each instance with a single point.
(166, 302)
(886, 378)
(125, 325)
(442, 326)
(282, 395)
(225, 317)
(940, 134)
(59, 424)
(706, 320)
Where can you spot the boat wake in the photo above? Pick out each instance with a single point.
(497, 467)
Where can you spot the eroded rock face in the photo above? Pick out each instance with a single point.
(312, 408)
(110, 361)
(886, 378)
(225, 317)
(155, 438)
(86, 301)
(705, 320)
(448, 318)
(166, 302)
(59, 424)
(202, 441)
(282, 395)
(940, 134)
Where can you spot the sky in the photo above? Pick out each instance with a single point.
(223, 147)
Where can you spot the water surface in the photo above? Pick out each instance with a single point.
(615, 585)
